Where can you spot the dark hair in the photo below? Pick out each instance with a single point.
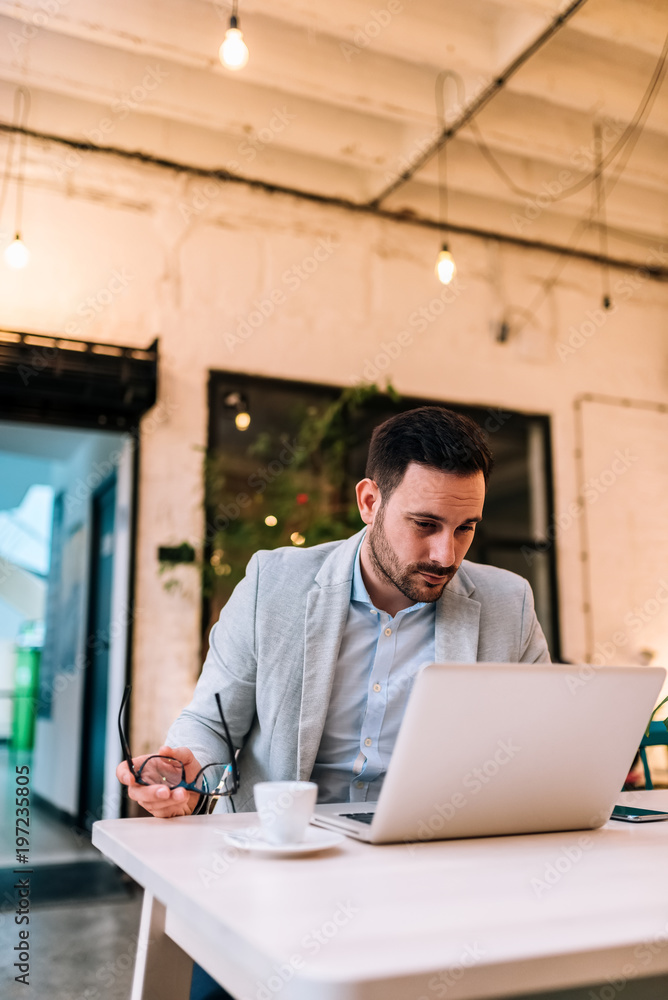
(429, 435)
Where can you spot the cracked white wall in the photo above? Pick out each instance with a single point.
(233, 278)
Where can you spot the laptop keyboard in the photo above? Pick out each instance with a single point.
(362, 817)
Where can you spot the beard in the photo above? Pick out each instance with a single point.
(406, 578)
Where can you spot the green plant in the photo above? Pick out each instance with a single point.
(651, 718)
(310, 500)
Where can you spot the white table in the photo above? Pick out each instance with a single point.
(497, 917)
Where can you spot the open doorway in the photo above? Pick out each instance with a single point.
(65, 556)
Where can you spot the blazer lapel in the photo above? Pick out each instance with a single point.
(326, 615)
(457, 622)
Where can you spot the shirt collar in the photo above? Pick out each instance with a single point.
(361, 594)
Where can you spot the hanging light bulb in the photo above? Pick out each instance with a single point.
(17, 254)
(234, 51)
(242, 421)
(445, 266)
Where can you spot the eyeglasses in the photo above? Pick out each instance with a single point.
(213, 780)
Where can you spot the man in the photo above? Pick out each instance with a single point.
(314, 654)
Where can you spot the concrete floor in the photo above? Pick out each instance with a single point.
(79, 951)
(82, 952)
(52, 841)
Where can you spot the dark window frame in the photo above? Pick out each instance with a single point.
(221, 381)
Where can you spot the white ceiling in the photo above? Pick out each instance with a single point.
(334, 103)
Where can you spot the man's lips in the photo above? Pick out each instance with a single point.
(432, 578)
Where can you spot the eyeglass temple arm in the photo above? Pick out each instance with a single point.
(124, 743)
(228, 740)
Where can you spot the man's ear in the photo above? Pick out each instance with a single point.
(368, 499)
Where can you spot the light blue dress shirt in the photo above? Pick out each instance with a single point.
(378, 660)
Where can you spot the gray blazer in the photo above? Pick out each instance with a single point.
(273, 653)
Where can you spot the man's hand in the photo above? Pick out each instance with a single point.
(160, 800)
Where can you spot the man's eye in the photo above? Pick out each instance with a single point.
(423, 524)
(465, 527)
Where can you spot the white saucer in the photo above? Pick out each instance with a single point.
(251, 839)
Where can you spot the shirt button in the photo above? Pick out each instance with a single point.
(376, 687)
(388, 631)
(359, 784)
(367, 742)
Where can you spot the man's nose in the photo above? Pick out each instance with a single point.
(443, 549)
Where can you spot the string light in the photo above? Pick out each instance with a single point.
(236, 401)
(233, 52)
(445, 266)
(17, 254)
(296, 538)
(271, 521)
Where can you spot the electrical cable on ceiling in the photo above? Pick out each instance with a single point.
(624, 146)
(584, 224)
(630, 134)
(479, 102)
(599, 196)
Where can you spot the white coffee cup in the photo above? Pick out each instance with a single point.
(285, 808)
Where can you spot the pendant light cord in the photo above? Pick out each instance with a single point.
(22, 96)
(442, 155)
(19, 122)
(601, 219)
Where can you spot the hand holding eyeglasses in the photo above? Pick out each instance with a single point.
(161, 800)
(171, 782)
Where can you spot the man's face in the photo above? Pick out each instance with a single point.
(419, 537)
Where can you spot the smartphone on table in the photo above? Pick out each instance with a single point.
(632, 814)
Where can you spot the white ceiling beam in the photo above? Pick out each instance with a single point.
(608, 21)
(372, 82)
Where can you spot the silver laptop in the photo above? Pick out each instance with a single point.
(502, 748)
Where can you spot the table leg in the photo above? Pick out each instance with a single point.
(162, 969)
